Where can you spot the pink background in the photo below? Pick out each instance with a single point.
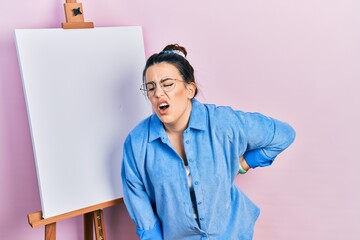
(294, 60)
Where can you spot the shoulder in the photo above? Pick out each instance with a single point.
(220, 119)
(225, 114)
(211, 109)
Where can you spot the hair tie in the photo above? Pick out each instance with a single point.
(174, 52)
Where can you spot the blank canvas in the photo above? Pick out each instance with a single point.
(82, 94)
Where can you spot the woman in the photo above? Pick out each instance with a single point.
(180, 163)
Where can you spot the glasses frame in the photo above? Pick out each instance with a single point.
(151, 93)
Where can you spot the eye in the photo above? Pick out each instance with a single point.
(167, 83)
(150, 86)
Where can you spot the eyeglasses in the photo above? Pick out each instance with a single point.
(167, 84)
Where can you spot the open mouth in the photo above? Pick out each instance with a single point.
(164, 106)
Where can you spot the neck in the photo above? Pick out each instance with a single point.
(180, 126)
(174, 130)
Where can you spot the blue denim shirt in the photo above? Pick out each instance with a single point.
(155, 187)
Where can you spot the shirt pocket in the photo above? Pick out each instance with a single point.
(161, 169)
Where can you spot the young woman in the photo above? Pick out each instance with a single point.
(180, 163)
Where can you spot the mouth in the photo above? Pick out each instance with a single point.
(163, 107)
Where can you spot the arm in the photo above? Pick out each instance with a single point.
(266, 138)
(136, 198)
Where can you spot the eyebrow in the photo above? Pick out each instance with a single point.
(161, 80)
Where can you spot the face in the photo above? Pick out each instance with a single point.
(172, 107)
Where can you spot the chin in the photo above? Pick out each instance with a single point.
(165, 120)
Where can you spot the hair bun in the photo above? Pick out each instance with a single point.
(175, 47)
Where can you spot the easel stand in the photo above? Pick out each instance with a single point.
(93, 218)
(74, 15)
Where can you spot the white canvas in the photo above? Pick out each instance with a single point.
(82, 94)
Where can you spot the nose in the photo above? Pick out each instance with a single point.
(158, 91)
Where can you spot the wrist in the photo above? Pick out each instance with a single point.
(241, 169)
(243, 166)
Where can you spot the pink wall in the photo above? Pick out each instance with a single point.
(294, 60)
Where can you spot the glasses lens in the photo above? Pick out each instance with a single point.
(168, 84)
(150, 87)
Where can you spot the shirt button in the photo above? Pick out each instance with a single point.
(199, 203)
(187, 141)
(191, 160)
(196, 183)
(201, 219)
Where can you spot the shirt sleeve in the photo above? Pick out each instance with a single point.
(136, 199)
(266, 138)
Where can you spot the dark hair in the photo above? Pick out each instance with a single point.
(169, 55)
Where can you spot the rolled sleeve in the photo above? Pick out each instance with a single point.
(153, 233)
(267, 138)
(255, 158)
(137, 200)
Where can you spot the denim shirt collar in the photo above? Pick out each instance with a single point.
(197, 121)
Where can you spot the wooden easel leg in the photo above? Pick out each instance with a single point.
(88, 226)
(50, 231)
(99, 225)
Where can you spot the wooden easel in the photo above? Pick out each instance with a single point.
(92, 216)
(74, 15)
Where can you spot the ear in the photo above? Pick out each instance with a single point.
(191, 87)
